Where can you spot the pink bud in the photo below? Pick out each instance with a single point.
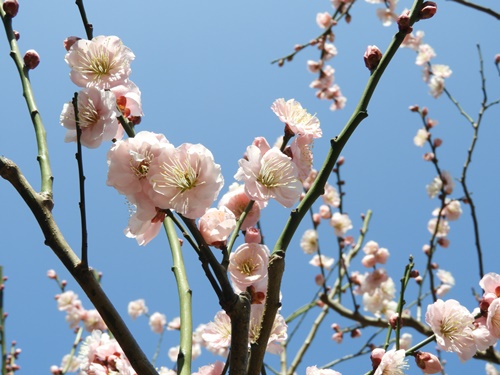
(404, 23)
(253, 235)
(497, 58)
(428, 10)
(51, 274)
(337, 337)
(297, 47)
(428, 362)
(414, 108)
(438, 142)
(69, 41)
(425, 111)
(325, 212)
(319, 279)
(376, 357)
(340, 161)
(335, 327)
(414, 274)
(419, 280)
(11, 7)
(443, 242)
(316, 219)
(31, 59)
(429, 156)
(17, 35)
(355, 333)
(372, 57)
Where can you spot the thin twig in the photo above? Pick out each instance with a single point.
(478, 7)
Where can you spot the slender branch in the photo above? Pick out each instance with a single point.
(88, 26)
(81, 179)
(480, 8)
(84, 276)
(2, 326)
(185, 294)
(36, 119)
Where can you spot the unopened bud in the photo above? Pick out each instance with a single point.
(17, 35)
(340, 161)
(414, 274)
(372, 57)
(414, 108)
(281, 62)
(428, 10)
(497, 58)
(428, 362)
(404, 23)
(443, 242)
(69, 41)
(355, 333)
(348, 18)
(31, 59)
(438, 142)
(253, 235)
(11, 7)
(297, 47)
(425, 111)
(429, 156)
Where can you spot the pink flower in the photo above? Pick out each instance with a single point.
(137, 308)
(213, 369)
(130, 160)
(331, 196)
(453, 326)
(146, 222)
(442, 230)
(102, 62)
(340, 223)
(322, 261)
(309, 241)
(186, 179)
(324, 20)
(93, 321)
(100, 354)
(296, 117)
(248, 264)
(490, 283)
(216, 225)
(314, 370)
(393, 363)
(217, 334)
(302, 155)
(128, 98)
(236, 200)
(425, 54)
(269, 175)
(278, 333)
(96, 115)
(157, 322)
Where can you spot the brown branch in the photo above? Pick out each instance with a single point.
(478, 7)
(40, 206)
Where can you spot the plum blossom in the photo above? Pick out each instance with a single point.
(216, 225)
(92, 320)
(157, 322)
(393, 363)
(165, 371)
(425, 54)
(454, 328)
(340, 223)
(96, 117)
(436, 185)
(217, 334)
(314, 370)
(451, 211)
(186, 179)
(447, 282)
(413, 41)
(269, 175)
(421, 137)
(387, 15)
(490, 283)
(102, 62)
(128, 98)
(324, 20)
(374, 254)
(129, 162)
(331, 196)
(309, 241)
(213, 369)
(146, 220)
(322, 261)
(278, 332)
(302, 156)
(297, 118)
(137, 308)
(248, 264)
(428, 362)
(491, 370)
(100, 354)
(441, 229)
(236, 200)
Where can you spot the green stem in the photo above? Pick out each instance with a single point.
(185, 294)
(41, 139)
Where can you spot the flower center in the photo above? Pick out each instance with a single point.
(272, 173)
(139, 163)
(87, 115)
(248, 267)
(181, 176)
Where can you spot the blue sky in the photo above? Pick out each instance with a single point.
(205, 74)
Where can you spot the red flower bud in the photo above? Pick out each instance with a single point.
(31, 59)
(372, 57)
(11, 7)
(428, 10)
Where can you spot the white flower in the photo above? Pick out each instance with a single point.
(309, 241)
(297, 118)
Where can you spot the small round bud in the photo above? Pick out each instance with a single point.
(337, 337)
(429, 156)
(372, 57)
(319, 279)
(419, 280)
(414, 108)
(428, 362)
(438, 142)
(253, 235)
(414, 274)
(31, 59)
(355, 333)
(281, 62)
(428, 10)
(11, 7)
(51, 274)
(340, 161)
(17, 35)
(297, 47)
(497, 58)
(425, 111)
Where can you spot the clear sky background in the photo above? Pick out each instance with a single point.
(205, 74)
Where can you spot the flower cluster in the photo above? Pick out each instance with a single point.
(100, 66)
(433, 74)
